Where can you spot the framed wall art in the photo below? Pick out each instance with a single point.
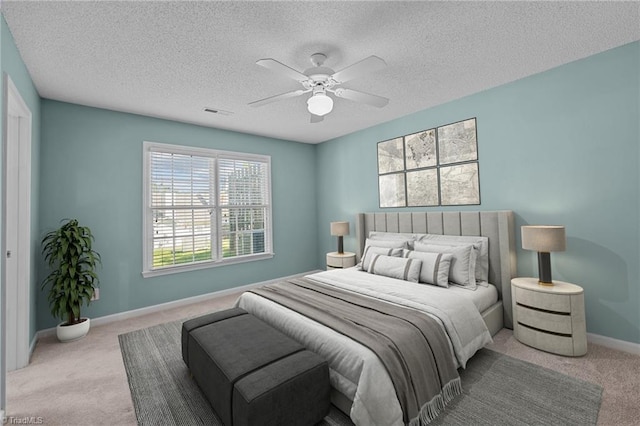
(390, 156)
(457, 142)
(422, 187)
(392, 190)
(435, 167)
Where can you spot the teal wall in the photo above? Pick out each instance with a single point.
(91, 169)
(560, 147)
(11, 63)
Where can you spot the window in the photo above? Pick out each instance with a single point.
(204, 208)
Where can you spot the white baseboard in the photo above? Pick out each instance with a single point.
(32, 346)
(609, 342)
(168, 305)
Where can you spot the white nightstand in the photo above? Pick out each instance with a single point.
(337, 260)
(550, 318)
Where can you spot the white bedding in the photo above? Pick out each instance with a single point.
(357, 372)
(484, 296)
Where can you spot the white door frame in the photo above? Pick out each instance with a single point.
(17, 143)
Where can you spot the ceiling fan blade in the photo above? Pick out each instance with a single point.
(316, 118)
(370, 64)
(281, 68)
(278, 97)
(365, 98)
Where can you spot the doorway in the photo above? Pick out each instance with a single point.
(16, 234)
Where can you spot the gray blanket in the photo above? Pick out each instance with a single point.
(412, 346)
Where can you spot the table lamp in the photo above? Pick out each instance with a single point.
(340, 229)
(544, 239)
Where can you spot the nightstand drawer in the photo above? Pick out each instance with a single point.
(544, 320)
(547, 342)
(334, 262)
(546, 301)
(337, 260)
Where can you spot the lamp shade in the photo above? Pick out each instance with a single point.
(320, 104)
(339, 228)
(544, 238)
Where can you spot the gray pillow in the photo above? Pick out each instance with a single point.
(370, 251)
(463, 263)
(401, 268)
(480, 244)
(435, 266)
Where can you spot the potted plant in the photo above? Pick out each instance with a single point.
(73, 279)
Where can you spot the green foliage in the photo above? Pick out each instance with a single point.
(163, 257)
(72, 261)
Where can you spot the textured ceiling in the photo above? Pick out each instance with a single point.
(172, 59)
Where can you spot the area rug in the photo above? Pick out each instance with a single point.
(497, 389)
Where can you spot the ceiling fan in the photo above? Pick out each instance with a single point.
(319, 80)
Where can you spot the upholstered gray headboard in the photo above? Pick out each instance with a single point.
(498, 226)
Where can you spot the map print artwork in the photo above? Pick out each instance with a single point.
(457, 142)
(390, 156)
(421, 149)
(435, 167)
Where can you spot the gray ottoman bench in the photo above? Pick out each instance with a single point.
(252, 374)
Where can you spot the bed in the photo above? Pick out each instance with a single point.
(361, 386)
(497, 226)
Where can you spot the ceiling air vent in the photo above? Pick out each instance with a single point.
(217, 111)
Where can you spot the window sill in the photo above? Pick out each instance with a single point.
(205, 265)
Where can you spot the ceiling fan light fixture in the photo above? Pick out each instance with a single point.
(320, 104)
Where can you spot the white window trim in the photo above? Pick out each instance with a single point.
(147, 219)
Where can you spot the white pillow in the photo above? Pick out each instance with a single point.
(371, 251)
(391, 243)
(435, 266)
(463, 264)
(481, 244)
(396, 236)
(401, 268)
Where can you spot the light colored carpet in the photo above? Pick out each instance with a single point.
(85, 383)
(493, 393)
(163, 391)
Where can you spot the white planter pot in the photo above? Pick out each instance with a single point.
(69, 333)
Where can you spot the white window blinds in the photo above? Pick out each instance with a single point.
(243, 189)
(205, 207)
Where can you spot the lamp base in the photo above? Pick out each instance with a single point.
(340, 245)
(544, 269)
